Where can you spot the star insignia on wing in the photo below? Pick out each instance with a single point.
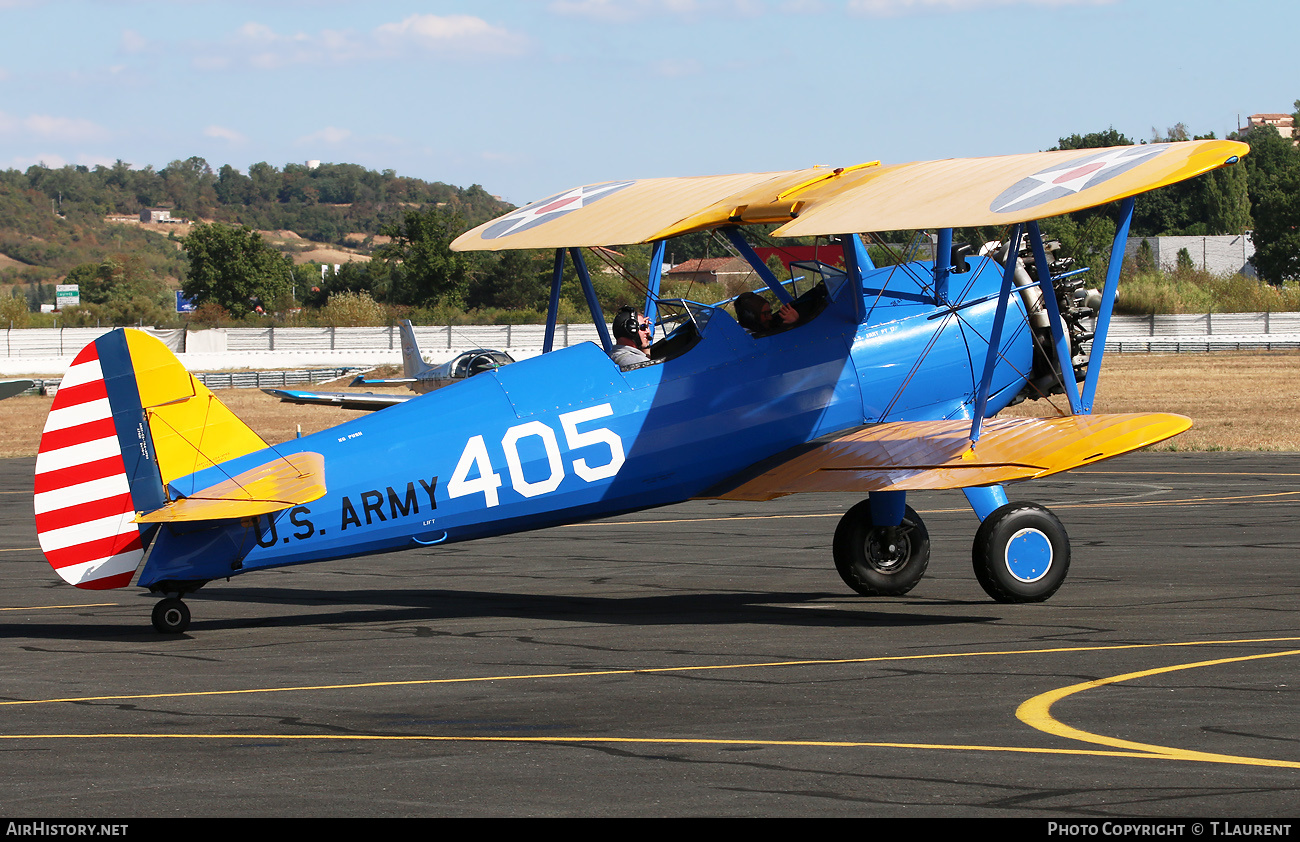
(551, 208)
(1071, 177)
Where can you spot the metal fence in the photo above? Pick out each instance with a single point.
(236, 379)
(272, 379)
(1200, 332)
(61, 342)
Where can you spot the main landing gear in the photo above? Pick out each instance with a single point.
(881, 560)
(171, 616)
(1021, 552)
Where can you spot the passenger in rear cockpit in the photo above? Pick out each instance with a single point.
(631, 338)
(755, 315)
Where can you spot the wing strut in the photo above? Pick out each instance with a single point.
(592, 302)
(553, 311)
(942, 266)
(653, 279)
(1081, 400)
(1107, 303)
(1060, 337)
(857, 262)
(995, 341)
(732, 233)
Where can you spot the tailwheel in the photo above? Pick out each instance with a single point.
(880, 560)
(171, 616)
(1021, 553)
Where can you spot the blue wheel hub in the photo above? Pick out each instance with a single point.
(1029, 555)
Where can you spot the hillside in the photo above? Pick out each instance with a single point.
(52, 220)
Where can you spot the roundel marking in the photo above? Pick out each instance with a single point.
(1071, 177)
(554, 207)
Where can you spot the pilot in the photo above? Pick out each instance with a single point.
(631, 338)
(755, 315)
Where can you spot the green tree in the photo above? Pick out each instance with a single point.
(232, 267)
(1277, 229)
(425, 272)
(190, 185)
(1094, 140)
(1226, 200)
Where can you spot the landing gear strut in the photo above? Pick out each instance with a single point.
(1021, 553)
(880, 560)
(171, 616)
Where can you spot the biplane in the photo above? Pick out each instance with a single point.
(891, 384)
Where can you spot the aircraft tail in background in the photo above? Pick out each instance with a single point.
(413, 365)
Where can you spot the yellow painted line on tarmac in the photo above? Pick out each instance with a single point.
(1034, 712)
(1037, 713)
(591, 740)
(48, 607)
(647, 671)
(1189, 501)
(19, 549)
(1188, 473)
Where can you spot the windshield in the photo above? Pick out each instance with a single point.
(675, 312)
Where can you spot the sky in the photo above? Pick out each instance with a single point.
(530, 97)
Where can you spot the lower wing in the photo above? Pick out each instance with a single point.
(912, 455)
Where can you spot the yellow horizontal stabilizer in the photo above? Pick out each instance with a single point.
(288, 481)
(955, 193)
(913, 455)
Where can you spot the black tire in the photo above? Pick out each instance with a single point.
(870, 562)
(171, 616)
(1021, 553)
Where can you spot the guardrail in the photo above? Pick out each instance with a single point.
(60, 342)
(237, 379)
(1239, 331)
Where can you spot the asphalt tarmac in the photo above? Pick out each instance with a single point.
(696, 660)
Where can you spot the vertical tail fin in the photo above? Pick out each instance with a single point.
(413, 365)
(128, 419)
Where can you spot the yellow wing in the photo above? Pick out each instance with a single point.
(616, 212)
(911, 455)
(956, 193)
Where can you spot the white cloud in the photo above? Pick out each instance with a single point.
(451, 34)
(898, 8)
(676, 68)
(802, 7)
(329, 136)
(54, 162)
(258, 45)
(133, 42)
(46, 126)
(22, 162)
(625, 11)
(223, 133)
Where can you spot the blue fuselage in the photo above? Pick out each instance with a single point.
(567, 436)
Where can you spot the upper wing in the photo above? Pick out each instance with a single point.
(614, 212)
(956, 193)
(910, 455)
(343, 400)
